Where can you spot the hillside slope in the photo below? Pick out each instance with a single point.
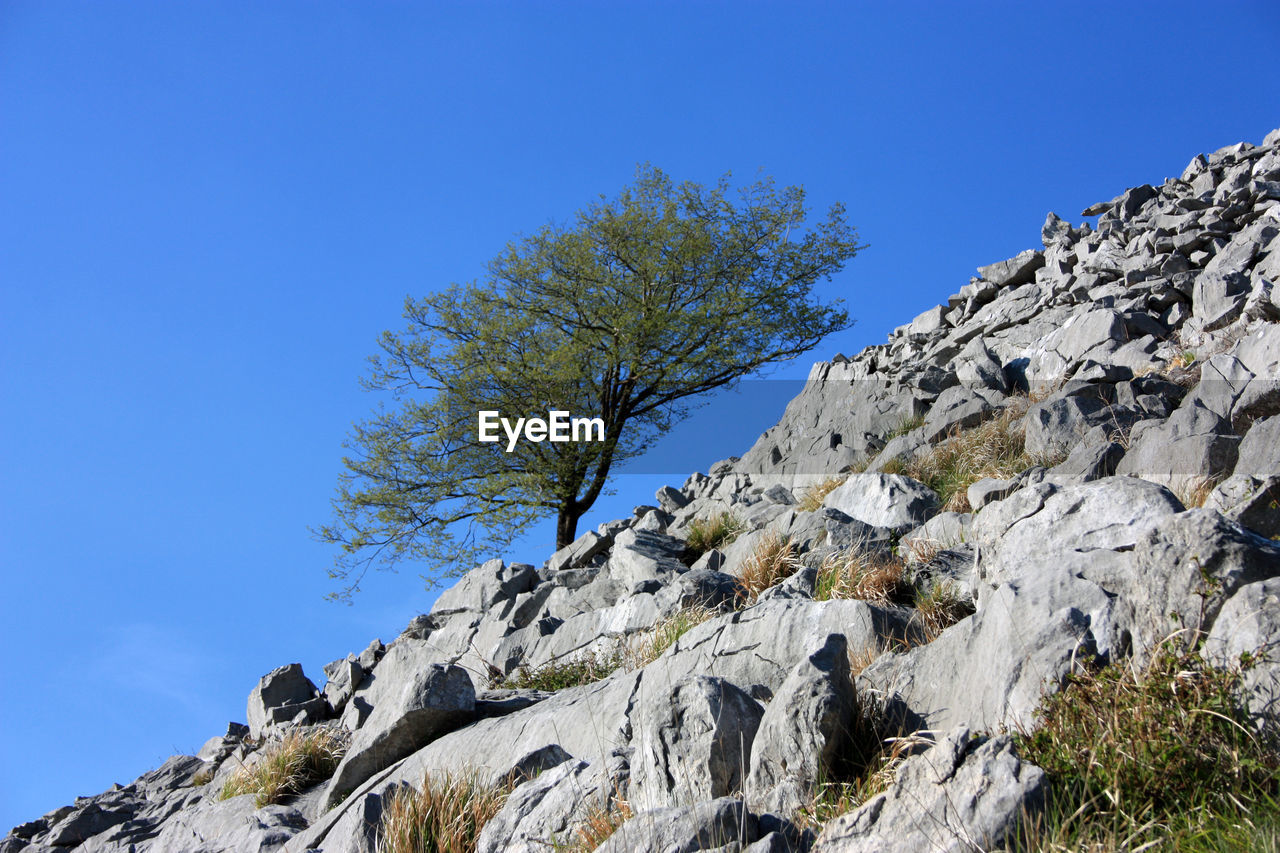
(1076, 455)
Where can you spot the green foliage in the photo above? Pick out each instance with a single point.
(296, 763)
(1161, 756)
(707, 533)
(641, 304)
(443, 815)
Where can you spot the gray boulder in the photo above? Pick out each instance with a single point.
(545, 810)
(229, 826)
(645, 555)
(412, 707)
(712, 825)
(964, 793)
(1195, 445)
(1019, 269)
(1247, 635)
(805, 729)
(580, 552)
(485, 586)
(280, 696)
(884, 500)
(1252, 501)
(692, 742)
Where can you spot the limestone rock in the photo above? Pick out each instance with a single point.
(962, 794)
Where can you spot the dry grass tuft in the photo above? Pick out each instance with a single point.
(444, 815)
(1196, 490)
(773, 560)
(996, 448)
(812, 500)
(874, 576)
(601, 822)
(707, 533)
(296, 763)
(940, 607)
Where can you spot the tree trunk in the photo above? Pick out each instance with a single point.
(566, 526)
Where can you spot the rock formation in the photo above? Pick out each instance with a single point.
(1138, 361)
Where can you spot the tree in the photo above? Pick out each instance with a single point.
(645, 302)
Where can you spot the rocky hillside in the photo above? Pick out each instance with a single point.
(1075, 461)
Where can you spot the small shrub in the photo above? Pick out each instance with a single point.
(444, 815)
(708, 533)
(864, 575)
(296, 763)
(812, 500)
(1160, 757)
(573, 672)
(650, 645)
(774, 559)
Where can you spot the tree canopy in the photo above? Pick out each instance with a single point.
(644, 302)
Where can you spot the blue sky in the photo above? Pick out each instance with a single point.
(208, 211)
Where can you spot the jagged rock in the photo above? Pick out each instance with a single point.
(804, 730)
(683, 829)
(692, 742)
(579, 552)
(411, 706)
(962, 794)
(644, 555)
(1192, 447)
(884, 500)
(1246, 634)
(484, 586)
(230, 826)
(944, 530)
(280, 696)
(545, 810)
(670, 499)
(1252, 501)
(1017, 270)
(344, 676)
(977, 367)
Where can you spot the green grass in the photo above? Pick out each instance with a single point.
(444, 814)
(293, 765)
(1158, 759)
(707, 533)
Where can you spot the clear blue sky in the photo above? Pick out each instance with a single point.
(208, 211)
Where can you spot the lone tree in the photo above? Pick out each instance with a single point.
(647, 300)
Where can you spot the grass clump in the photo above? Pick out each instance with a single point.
(662, 636)
(939, 607)
(874, 576)
(601, 822)
(812, 500)
(905, 425)
(995, 448)
(708, 533)
(1158, 758)
(443, 815)
(773, 560)
(572, 672)
(293, 765)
